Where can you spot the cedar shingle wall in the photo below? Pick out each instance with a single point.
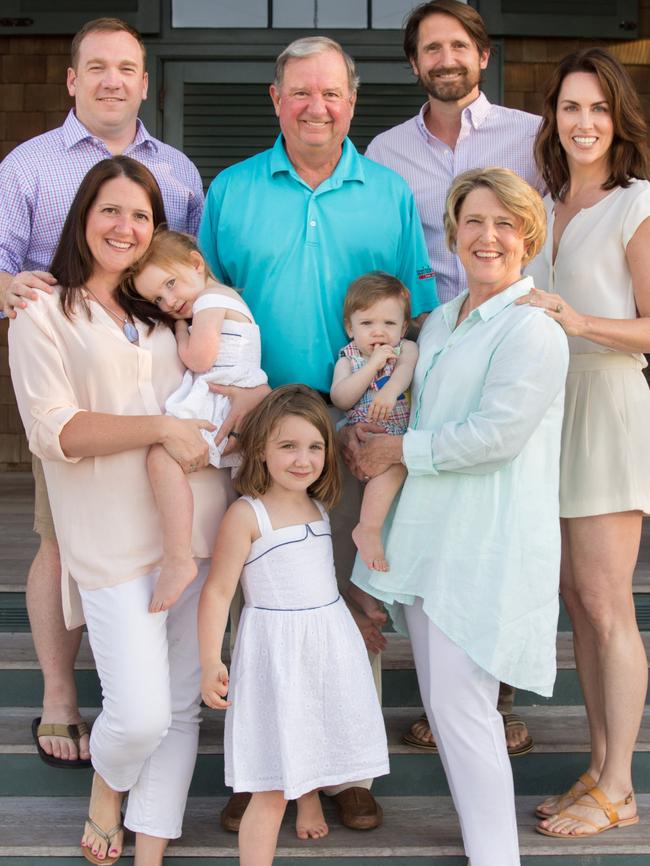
(33, 99)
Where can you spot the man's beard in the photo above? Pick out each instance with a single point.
(449, 91)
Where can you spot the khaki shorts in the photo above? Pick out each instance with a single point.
(43, 523)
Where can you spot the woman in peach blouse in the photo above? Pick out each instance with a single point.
(91, 376)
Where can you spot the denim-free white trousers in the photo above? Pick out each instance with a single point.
(460, 700)
(145, 739)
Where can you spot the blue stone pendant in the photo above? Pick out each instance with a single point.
(131, 332)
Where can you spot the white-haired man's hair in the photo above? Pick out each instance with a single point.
(308, 46)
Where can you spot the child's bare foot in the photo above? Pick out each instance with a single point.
(175, 576)
(368, 604)
(371, 550)
(103, 836)
(310, 823)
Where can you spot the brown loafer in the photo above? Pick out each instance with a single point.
(358, 809)
(233, 812)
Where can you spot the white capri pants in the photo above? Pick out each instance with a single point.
(460, 701)
(146, 736)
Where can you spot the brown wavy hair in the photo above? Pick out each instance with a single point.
(73, 261)
(467, 17)
(253, 478)
(629, 151)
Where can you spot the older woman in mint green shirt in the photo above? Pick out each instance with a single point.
(474, 542)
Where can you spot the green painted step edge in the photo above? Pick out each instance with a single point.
(24, 688)
(418, 774)
(13, 614)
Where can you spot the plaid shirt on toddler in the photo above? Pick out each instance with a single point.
(397, 422)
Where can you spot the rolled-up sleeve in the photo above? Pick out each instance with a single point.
(46, 400)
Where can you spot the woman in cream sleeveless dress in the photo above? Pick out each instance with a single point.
(593, 277)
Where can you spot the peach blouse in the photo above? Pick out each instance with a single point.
(104, 512)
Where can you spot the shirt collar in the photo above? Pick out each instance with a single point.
(490, 308)
(475, 113)
(348, 168)
(74, 131)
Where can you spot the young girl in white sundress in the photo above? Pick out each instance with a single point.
(302, 707)
(221, 347)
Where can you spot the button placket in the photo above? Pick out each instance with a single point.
(311, 227)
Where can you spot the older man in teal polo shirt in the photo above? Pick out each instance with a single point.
(291, 228)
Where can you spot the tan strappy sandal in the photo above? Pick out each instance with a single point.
(569, 798)
(602, 804)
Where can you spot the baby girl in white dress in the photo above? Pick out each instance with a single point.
(222, 347)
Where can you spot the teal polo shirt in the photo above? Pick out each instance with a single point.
(293, 251)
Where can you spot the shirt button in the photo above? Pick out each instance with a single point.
(312, 223)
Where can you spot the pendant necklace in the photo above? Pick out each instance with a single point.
(128, 328)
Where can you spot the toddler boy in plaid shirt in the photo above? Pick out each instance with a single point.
(371, 381)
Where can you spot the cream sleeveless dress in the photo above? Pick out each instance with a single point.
(605, 460)
(304, 712)
(238, 363)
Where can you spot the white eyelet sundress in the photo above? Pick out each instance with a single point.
(304, 712)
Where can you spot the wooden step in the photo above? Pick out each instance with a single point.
(413, 827)
(17, 652)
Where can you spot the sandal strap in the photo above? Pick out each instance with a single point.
(587, 782)
(603, 803)
(512, 720)
(107, 837)
(566, 814)
(69, 732)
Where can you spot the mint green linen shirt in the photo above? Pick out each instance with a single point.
(475, 532)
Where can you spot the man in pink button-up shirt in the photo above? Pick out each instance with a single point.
(457, 129)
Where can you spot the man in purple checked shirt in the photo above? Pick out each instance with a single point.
(457, 129)
(38, 181)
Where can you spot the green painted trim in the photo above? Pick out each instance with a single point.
(417, 774)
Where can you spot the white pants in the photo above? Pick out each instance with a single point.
(146, 736)
(460, 701)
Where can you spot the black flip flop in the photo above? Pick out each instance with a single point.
(71, 732)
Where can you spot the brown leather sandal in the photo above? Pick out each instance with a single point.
(510, 720)
(68, 732)
(569, 797)
(600, 803)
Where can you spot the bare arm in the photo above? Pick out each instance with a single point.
(623, 335)
(95, 434)
(16, 290)
(348, 387)
(402, 375)
(231, 550)
(199, 348)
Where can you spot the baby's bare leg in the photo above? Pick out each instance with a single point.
(377, 499)
(176, 508)
(310, 822)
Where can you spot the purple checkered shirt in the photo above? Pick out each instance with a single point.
(490, 135)
(39, 179)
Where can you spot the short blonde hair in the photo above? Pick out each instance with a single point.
(517, 196)
(253, 478)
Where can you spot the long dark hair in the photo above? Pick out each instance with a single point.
(73, 261)
(628, 157)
